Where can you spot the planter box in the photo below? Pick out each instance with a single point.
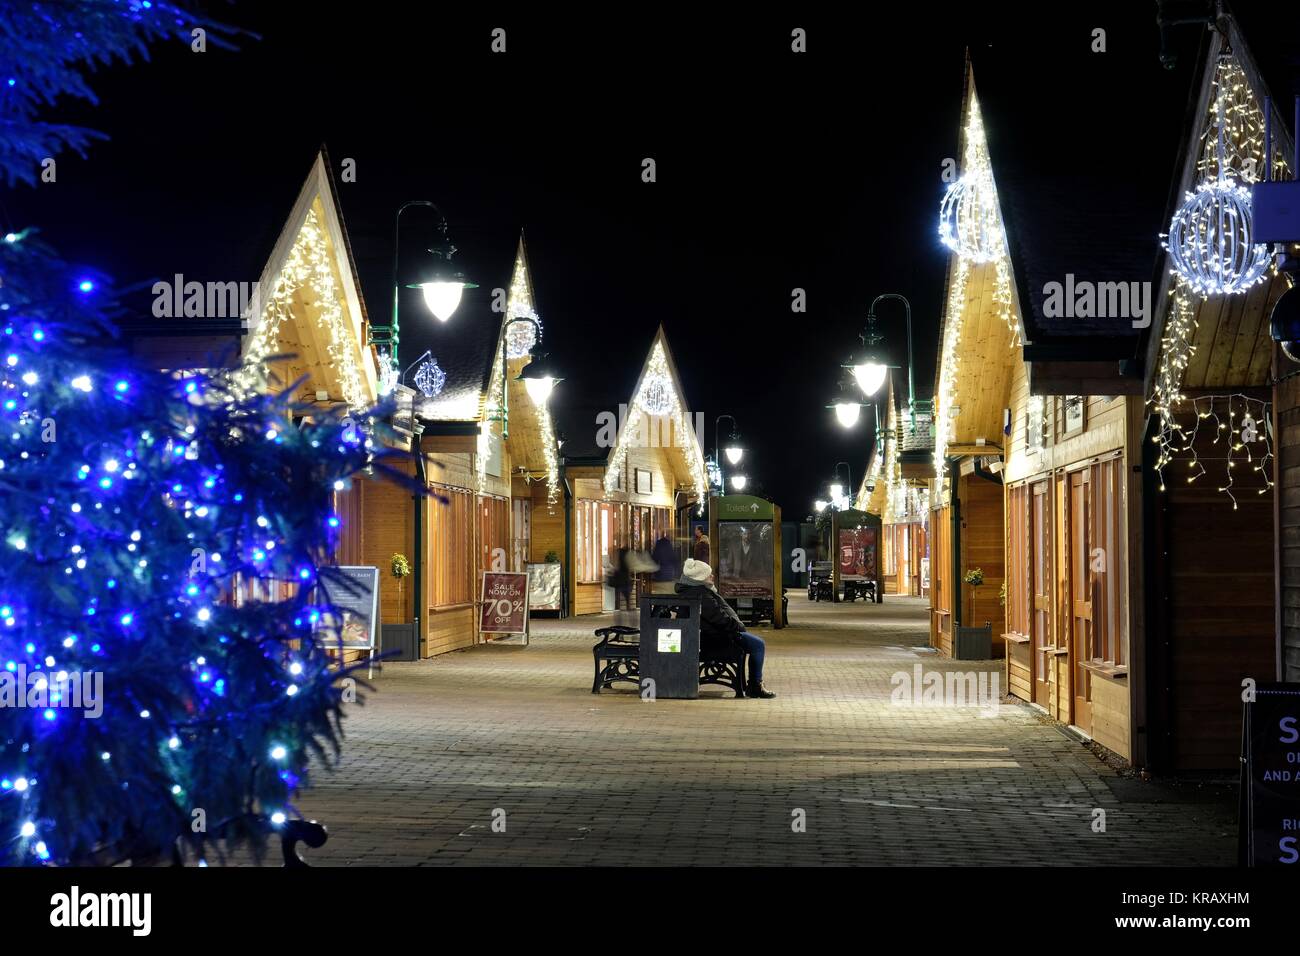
(400, 638)
(973, 643)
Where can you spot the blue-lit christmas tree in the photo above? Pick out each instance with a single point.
(143, 709)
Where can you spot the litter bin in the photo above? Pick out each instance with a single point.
(670, 646)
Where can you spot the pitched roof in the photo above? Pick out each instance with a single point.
(1084, 160)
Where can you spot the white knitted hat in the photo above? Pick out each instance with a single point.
(696, 571)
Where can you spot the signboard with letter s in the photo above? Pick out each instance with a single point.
(1270, 771)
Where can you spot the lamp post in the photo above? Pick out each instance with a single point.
(871, 321)
(848, 474)
(734, 451)
(440, 280)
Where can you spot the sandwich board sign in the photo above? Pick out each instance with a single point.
(504, 607)
(353, 591)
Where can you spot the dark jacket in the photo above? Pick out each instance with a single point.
(620, 578)
(700, 549)
(665, 555)
(720, 627)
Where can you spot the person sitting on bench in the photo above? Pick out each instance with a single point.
(719, 624)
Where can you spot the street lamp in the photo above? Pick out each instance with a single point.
(440, 280)
(734, 450)
(538, 375)
(871, 321)
(819, 505)
(738, 482)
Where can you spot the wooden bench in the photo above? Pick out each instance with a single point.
(619, 650)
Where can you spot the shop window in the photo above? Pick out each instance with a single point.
(1105, 562)
(450, 543)
(1019, 590)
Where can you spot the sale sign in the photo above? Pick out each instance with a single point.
(505, 603)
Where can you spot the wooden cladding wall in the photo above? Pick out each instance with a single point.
(1219, 614)
(547, 525)
(1288, 532)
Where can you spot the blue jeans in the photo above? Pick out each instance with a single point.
(754, 647)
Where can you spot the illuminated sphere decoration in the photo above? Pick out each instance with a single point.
(430, 378)
(656, 397)
(1210, 240)
(968, 219)
(521, 336)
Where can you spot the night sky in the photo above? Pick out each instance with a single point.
(775, 171)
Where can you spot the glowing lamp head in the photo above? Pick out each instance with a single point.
(846, 413)
(837, 491)
(734, 454)
(539, 378)
(819, 505)
(539, 389)
(870, 376)
(738, 482)
(442, 298)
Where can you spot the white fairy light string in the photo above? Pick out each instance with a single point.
(1232, 152)
(1245, 430)
(657, 390)
(520, 337)
(990, 248)
(969, 223)
(1210, 236)
(309, 265)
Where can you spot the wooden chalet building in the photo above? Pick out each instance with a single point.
(633, 472)
(1125, 457)
(485, 451)
(897, 488)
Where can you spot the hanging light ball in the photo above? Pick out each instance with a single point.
(521, 336)
(968, 219)
(1210, 240)
(656, 397)
(430, 378)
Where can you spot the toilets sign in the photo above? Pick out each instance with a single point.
(744, 508)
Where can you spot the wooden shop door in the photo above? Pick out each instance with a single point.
(1080, 579)
(1040, 569)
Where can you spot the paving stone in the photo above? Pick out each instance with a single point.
(439, 745)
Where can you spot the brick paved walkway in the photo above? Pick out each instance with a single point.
(612, 779)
